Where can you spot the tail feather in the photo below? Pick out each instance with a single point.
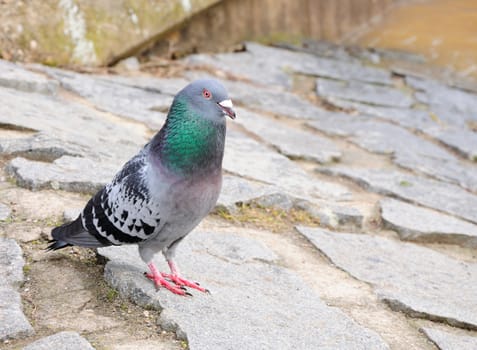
(74, 233)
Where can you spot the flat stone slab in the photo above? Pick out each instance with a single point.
(253, 301)
(418, 154)
(11, 262)
(424, 225)
(361, 92)
(434, 194)
(67, 173)
(13, 322)
(132, 102)
(272, 168)
(61, 341)
(292, 142)
(4, 211)
(16, 77)
(417, 119)
(60, 144)
(440, 96)
(310, 64)
(237, 190)
(460, 140)
(450, 341)
(412, 279)
(269, 65)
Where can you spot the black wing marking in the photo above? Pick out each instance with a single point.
(123, 211)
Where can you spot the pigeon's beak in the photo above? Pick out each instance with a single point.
(227, 108)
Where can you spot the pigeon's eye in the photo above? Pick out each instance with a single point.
(206, 93)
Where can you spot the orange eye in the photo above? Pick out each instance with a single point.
(206, 93)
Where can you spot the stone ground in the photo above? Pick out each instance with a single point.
(347, 218)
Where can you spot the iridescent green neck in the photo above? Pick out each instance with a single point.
(189, 143)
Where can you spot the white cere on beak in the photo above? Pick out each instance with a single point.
(227, 108)
(226, 103)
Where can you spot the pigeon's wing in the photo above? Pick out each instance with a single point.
(123, 211)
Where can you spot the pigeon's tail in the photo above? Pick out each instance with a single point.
(74, 233)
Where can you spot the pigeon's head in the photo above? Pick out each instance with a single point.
(208, 98)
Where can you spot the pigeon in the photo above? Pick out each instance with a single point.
(163, 192)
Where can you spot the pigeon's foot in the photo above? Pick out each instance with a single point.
(160, 281)
(181, 282)
(174, 276)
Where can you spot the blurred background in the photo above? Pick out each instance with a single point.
(104, 32)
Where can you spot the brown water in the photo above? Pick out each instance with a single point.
(444, 31)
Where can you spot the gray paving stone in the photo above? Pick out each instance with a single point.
(61, 341)
(237, 190)
(421, 224)
(439, 195)
(4, 211)
(136, 103)
(417, 119)
(11, 262)
(450, 341)
(412, 279)
(445, 126)
(332, 215)
(253, 304)
(269, 65)
(17, 77)
(461, 140)
(347, 69)
(255, 64)
(275, 169)
(407, 149)
(243, 65)
(60, 141)
(362, 92)
(13, 322)
(66, 173)
(439, 96)
(292, 142)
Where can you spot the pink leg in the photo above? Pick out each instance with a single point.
(159, 281)
(174, 276)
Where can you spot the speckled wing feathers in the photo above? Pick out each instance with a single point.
(123, 211)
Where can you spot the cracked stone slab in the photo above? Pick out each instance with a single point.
(304, 63)
(11, 262)
(460, 140)
(431, 193)
(365, 93)
(292, 142)
(440, 96)
(4, 211)
(444, 126)
(237, 190)
(14, 323)
(253, 302)
(419, 154)
(129, 101)
(412, 279)
(52, 145)
(67, 173)
(61, 341)
(417, 119)
(450, 341)
(16, 77)
(272, 168)
(424, 225)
